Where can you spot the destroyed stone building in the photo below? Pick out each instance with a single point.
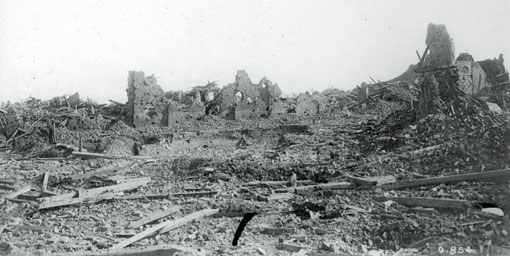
(146, 100)
(245, 100)
(75, 183)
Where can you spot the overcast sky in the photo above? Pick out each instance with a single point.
(52, 48)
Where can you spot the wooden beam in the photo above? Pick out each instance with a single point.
(45, 181)
(164, 225)
(169, 195)
(332, 185)
(278, 197)
(188, 218)
(78, 200)
(8, 182)
(7, 187)
(289, 247)
(491, 175)
(86, 155)
(360, 182)
(159, 250)
(428, 202)
(155, 216)
(16, 193)
(275, 183)
(91, 194)
(278, 231)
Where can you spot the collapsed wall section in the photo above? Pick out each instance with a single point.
(472, 77)
(146, 100)
(245, 100)
(176, 114)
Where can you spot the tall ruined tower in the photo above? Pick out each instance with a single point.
(146, 100)
(441, 53)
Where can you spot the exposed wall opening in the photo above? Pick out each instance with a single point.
(239, 96)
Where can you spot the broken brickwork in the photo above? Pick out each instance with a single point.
(495, 69)
(176, 114)
(146, 100)
(245, 100)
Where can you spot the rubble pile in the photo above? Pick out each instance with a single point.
(417, 165)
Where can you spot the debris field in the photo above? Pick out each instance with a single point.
(410, 166)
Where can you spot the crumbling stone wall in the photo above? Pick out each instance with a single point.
(495, 70)
(472, 77)
(146, 100)
(176, 115)
(441, 53)
(441, 48)
(245, 100)
(9, 122)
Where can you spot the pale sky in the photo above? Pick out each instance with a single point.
(54, 48)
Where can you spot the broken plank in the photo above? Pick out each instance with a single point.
(155, 216)
(170, 223)
(279, 197)
(278, 231)
(188, 218)
(275, 183)
(159, 250)
(289, 247)
(8, 182)
(86, 155)
(491, 175)
(68, 199)
(78, 200)
(127, 185)
(360, 182)
(45, 181)
(169, 195)
(16, 193)
(332, 185)
(7, 187)
(429, 202)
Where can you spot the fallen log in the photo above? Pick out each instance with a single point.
(88, 195)
(491, 175)
(159, 250)
(429, 202)
(332, 185)
(164, 227)
(155, 216)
